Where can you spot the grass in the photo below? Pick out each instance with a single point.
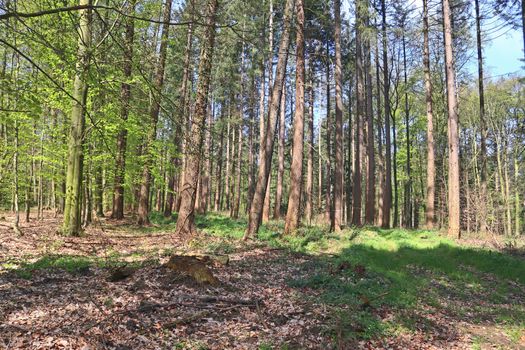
(411, 274)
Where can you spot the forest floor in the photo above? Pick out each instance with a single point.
(360, 289)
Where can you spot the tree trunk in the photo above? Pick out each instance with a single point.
(431, 167)
(218, 191)
(205, 178)
(125, 96)
(356, 191)
(310, 152)
(453, 127)
(296, 170)
(16, 223)
(328, 184)
(143, 210)
(265, 167)
(72, 219)
(381, 160)
(266, 205)
(339, 166)
(280, 158)
(185, 221)
(483, 197)
(387, 192)
(183, 108)
(408, 184)
(371, 176)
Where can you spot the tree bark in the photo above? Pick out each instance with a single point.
(483, 199)
(280, 158)
(356, 191)
(408, 184)
(72, 219)
(143, 210)
(265, 167)
(339, 166)
(310, 152)
(328, 184)
(387, 192)
(453, 127)
(431, 166)
(185, 221)
(371, 176)
(296, 172)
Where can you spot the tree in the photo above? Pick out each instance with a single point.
(296, 172)
(143, 211)
(72, 218)
(371, 176)
(431, 166)
(186, 218)
(255, 215)
(125, 97)
(387, 192)
(356, 190)
(338, 178)
(453, 128)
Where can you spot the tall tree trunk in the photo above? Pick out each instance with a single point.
(328, 184)
(218, 191)
(237, 200)
(72, 219)
(125, 97)
(483, 199)
(251, 160)
(387, 192)
(380, 163)
(408, 184)
(228, 148)
(296, 170)
(205, 179)
(280, 158)
(350, 151)
(453, 129)
(185, 221)
(265, 167)
(310, 152)
(183, 109)
(237, 190)
(339, 166)
(143, 210)
(16, 223)
(266, 205)
(356, 191)
(371, 176)
(431, 163)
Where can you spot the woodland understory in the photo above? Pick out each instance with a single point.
(358, 289)
(262, 174)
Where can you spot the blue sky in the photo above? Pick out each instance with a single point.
(504, 53)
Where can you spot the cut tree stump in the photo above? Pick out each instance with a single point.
(193, 266)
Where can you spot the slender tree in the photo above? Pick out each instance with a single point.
(254, 219)
(356, 190)
(143, 210)
(453, 127)
(72, 212)
(186, 218)
(338, 178)
(387, 192)
(431, 166)
(296, 172)
(125, 97)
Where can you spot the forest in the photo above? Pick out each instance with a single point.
(262, 174)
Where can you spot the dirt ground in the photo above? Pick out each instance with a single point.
(254, 306)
